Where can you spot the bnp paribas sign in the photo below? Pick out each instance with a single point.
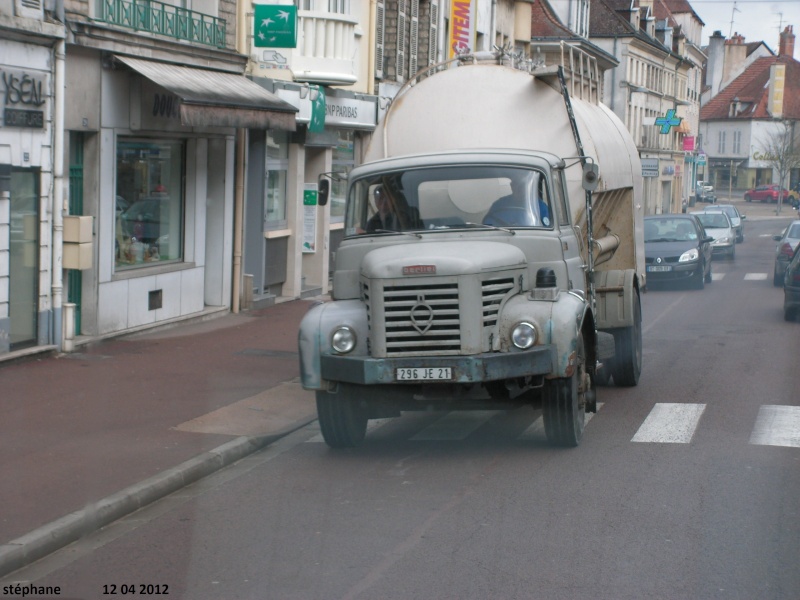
(275, 26)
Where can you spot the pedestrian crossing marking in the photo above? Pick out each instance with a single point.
(777, 426)
(454, 425)
(717, 276)
(755, 276)
(667, 423)
(670, 423)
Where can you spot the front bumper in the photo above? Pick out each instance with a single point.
(490, 366)
(678, 272)
(723, 248)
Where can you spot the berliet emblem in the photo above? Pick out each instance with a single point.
(421, 315)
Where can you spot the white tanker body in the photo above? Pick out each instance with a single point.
(465, 279)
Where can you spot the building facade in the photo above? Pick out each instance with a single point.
(757, 104)
(31, 176)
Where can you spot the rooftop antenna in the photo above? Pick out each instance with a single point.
(733, 13)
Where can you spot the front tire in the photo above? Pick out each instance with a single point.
(700, 278)
(342, 420)
(564, 403)
(628, 343)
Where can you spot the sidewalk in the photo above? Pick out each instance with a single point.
(88, 437)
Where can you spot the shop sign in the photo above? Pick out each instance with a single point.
(22, 94)
(275, 26)
(350, 113)
(688, 143)
(310, 218)
(668, 121)
(462, 30)
(649, 167)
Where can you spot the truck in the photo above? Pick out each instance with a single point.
(512, 275)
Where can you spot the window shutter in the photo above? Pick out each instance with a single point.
(433, 37)
(414, 45)
(401, 40)
(380, 24)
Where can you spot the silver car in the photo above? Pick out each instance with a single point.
(737, 219)
(787, 242)
(718, 225)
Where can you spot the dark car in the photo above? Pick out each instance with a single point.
(677, 248)
(791, 287)
(788, 242)
(766, 193)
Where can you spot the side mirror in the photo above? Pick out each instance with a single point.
(323, 190)
(591, 176)
(708, 239)
(743, 217)
(777, 238)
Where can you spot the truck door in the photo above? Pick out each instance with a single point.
(571, 243)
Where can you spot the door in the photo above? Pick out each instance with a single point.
(24, 258)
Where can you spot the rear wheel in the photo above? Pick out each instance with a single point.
(628, 343)
(564, 403)
(342, 420)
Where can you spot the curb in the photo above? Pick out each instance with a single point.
(57, 534)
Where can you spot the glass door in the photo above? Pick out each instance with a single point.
(24, 257)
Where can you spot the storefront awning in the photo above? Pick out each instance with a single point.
(216, 99)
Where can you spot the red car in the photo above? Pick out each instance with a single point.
(766, 193)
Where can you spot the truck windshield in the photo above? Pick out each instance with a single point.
(438, 198)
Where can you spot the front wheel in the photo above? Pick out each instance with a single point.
(342, 420)
(564, 402)
(748, 198)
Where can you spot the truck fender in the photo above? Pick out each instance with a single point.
(616, 291)
(557, 322)
(316, 328)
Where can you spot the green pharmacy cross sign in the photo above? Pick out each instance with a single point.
(275, 26)
(668, 121)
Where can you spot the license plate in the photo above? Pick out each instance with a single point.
(424, 374)
(658, 268)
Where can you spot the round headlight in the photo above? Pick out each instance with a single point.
(523, 336)
(343, 340)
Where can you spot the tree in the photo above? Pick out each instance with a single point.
(781, 150)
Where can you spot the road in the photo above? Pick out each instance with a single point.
(684, 487)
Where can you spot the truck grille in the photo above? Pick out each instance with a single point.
(494, 291)
(425, 317)
(422, 319)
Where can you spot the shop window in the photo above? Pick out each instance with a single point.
(277, 176)
(149, 203)
(343, 163)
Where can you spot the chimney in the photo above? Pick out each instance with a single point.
(777, 86)
(786, 44)
(735, 57)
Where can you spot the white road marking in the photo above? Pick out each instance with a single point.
(777, 426)
(455, 425)
(717, 276)
(670, 423)
(755, 276)
(535, 430)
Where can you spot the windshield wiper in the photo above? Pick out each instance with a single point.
(664, 240)
(411, 233)
(495, 227)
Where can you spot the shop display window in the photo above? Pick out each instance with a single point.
(277, 176)
(149, 203)
(343, 163)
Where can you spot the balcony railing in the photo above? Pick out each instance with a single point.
(163, 19)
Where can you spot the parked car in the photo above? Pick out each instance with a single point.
(705, 192)
(677, 248)
(718, 225)
(737, 219)
(791, 287)
(766, 193)
(788, 242)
